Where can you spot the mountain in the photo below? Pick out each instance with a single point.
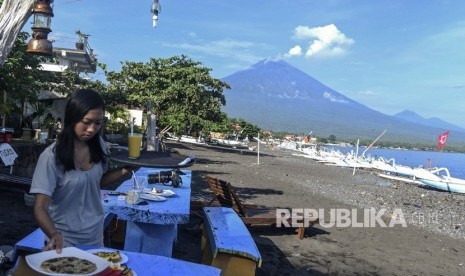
(413, 117)
(275, 95)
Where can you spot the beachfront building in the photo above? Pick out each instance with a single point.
(80, 59)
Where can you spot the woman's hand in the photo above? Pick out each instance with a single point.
(41, 205)
(56, 242)
(129, 169)
(116, 175)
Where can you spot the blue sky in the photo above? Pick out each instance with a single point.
(388, 55)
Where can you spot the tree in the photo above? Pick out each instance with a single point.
(332, 138)
(20, 78)
(181, 91)
(247, 130)
(13, 16)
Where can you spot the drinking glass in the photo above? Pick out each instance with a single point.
(139, 183)
(134, 144)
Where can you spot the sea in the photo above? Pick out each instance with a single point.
(453, 161)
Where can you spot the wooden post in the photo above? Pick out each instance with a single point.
(258, 148)
(151, 129)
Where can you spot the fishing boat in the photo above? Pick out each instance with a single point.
(384, 165)
(410, 174)
(230, 143)
(456, 185)
(446, 182)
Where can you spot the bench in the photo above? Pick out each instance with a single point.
(15, 182)
(227, 243)
(250, 214)
(35, 241)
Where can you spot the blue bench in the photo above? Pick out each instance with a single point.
(15, 182)
(35, 241)
(227, 243)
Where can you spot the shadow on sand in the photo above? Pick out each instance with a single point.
(274, 260)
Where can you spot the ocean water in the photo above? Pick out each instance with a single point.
(455, 162)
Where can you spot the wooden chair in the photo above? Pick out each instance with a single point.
(250, 214)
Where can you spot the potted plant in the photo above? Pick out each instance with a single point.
(82, 40)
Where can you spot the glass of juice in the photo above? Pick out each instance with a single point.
(134, 144)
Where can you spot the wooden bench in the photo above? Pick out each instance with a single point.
(227, 243)
(15, 182)
(250, 214)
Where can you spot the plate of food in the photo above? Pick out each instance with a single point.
(160, 192)
(71, 260)
(123, 270)
(152, 197)
(111, 255)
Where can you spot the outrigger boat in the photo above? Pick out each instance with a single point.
(446, 182)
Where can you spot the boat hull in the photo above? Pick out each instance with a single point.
(449, 186)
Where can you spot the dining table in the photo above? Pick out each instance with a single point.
(151, 223)
(140, 263)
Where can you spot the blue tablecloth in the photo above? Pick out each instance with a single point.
(146, 265)
(152, 228)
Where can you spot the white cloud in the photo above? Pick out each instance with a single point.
(368, 93)
(333, 98)
(295, 51)
(239, 50)
(326, 41)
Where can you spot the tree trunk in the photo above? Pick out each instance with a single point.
(13, 16)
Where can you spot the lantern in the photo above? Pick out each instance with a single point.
(39, 44)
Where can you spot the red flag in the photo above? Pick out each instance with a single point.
(442, 139)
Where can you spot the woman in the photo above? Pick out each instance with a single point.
(68, 176)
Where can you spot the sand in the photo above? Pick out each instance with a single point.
(432, 243)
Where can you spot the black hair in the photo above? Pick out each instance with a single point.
(77, 106)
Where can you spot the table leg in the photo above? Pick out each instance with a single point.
(155, 239)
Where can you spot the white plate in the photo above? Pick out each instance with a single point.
(124, 258)
(152, 197)
(164, 193)
(35, 260)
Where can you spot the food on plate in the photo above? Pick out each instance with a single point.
(112, 256)
(123, 269)
(68, 265)
(156, 191)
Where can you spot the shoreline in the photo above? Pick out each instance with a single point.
(434, 210)
(284, 180)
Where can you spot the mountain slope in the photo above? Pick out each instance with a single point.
(278, 96)
(413, 117)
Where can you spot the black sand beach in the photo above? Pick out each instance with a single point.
(431, 244)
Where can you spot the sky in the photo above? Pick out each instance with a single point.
(389, 55)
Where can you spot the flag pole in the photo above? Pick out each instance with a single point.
(258, 148)
(442, 139)
(356, 156)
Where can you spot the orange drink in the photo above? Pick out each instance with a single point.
(134, 144)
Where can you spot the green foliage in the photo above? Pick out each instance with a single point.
(41, 108)
(332, 138)
(119, 121)
(222, 125)
(228, 126)
(20, 76)
(247, 130)
(181, 92)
